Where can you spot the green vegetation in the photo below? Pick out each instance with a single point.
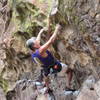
(26, 16)
(3, 84)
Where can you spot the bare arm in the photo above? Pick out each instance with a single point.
(50, 41)
(39, 36)
(44, 29)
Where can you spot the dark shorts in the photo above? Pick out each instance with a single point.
(51, 69)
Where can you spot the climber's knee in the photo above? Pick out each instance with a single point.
(64, 67)
(69, 70)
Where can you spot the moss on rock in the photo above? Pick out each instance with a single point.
(3, 84)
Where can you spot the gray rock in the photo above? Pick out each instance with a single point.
(97, 88)
(87, 94)
(89, 82)
(2, 95)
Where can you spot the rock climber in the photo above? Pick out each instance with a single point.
(42, 54)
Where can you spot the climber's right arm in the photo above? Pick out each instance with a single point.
(43, 48)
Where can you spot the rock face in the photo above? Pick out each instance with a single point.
(78, 44)
(26, 90)
(88, 93)
(22, 91)
(82, 33)
(2, 95)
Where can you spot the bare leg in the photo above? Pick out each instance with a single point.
(69, 73)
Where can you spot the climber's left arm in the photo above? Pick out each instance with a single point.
(39, 36)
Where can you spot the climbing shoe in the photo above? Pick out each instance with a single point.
(69, 89)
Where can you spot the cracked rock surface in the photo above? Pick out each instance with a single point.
(78, 45)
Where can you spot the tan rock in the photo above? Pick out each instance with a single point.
(2, 95)
(97, 88)
(87, 94)
(98, 17)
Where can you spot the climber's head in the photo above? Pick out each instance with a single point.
(32, 43)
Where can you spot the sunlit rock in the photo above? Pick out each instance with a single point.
(2, 95)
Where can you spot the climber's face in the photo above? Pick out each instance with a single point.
(36, 45)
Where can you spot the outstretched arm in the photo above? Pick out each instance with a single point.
(39, 36)
(44, 29)
(50, 41)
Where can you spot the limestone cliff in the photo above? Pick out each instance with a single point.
(78, 44)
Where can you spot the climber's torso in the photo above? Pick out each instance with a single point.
(46, 59)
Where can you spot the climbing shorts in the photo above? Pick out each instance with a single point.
(51, 69)
(56, 68)
(61, 67)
